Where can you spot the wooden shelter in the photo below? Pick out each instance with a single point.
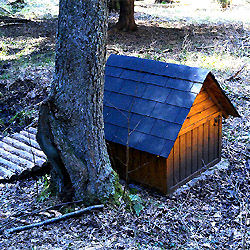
(170, 117)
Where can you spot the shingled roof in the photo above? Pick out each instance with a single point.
(150, 98)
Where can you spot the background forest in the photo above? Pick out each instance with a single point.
(211, 212)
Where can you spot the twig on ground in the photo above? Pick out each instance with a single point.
(115, 50)
(51, 207)
(4, 10)
(18, 216)
(206, 47)
(10, 20)
(50, 221)
(235, 74)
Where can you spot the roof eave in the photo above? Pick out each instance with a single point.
(226, 105)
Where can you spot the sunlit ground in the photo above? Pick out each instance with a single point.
(226, 55)
(35, 8)
(196, 11)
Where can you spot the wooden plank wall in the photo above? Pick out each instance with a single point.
(203, 108)
(194, 150)
(198, 145)
(144, 168)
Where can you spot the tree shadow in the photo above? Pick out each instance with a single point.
(151, 35)
(167, 37)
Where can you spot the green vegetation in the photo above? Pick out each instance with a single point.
(137, 203)
(45, 193)
(224, 3)
(30, 8)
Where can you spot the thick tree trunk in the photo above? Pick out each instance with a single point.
(71, 123)
(126, 20)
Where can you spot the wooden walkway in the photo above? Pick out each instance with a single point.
(20, 154)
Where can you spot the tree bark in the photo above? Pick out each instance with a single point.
(126, 20)
(113, 5)
(70, 129)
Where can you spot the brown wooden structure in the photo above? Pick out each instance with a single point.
(193, 129)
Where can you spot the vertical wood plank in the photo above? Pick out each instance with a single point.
(188, 154)
(153, 169)
(206, 143)
(170, 163)
(120, 159)
(212, 139)
(176, 166)
(201, 145)
(220, 135)
(195, 150)
(134, 161)
(158, 172)
(163, 167)
(112, 153)
(145, 165)
(182, 155)
(216, 138)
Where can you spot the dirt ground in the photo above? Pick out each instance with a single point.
(212, 214)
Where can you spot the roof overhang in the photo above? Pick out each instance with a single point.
(219, 97)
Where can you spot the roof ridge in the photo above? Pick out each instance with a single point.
(193, 74)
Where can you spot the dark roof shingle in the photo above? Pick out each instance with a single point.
(152, 97)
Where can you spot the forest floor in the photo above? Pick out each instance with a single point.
(212, 214)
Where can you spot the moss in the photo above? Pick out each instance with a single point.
(119, 196)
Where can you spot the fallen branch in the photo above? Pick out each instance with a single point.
(4, 10)
(115, 50)
(206, 47)
(12, 20)
(48, 208)
(235, 74)
(18, 217)
(50, 221)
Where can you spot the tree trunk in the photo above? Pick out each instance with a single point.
(126, 20)
(70, 129)
(113, 5)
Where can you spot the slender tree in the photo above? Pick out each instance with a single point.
(126, 20)
(70, 129)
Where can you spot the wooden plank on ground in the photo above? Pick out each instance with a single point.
(22, 146)
(20, 154)
(28, 141)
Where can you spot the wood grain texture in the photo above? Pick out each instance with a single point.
(199, 116)
(188, 153)
(195, 146)
(176, 167)
(170, 163)
(182, 157)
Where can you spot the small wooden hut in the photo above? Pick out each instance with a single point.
(170, 117)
